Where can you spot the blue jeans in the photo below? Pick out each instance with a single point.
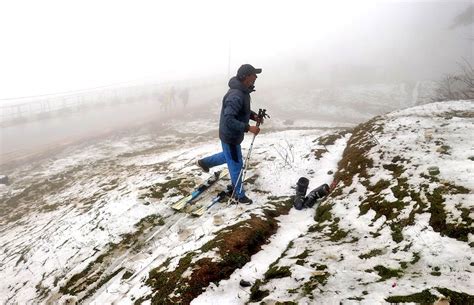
(232, 155)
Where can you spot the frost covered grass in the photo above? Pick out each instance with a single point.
(394, 230)
(93, 224)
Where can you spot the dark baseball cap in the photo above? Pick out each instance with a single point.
(247, 69)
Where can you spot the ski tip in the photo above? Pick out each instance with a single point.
(180, 204)
(198, 213)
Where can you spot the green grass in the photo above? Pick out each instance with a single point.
(381, 206)
(303, 255)
(256, 294)
(234, 245)
(314, 282)
(397, 234)
(372, 253)
(330, 139)
(178, 186)
(379, 186)
(386, 273)
(426, 298)
(277, 272)
(355, 159)
(422, 298)
(416, 258)
(395, 168)
(318, 153)
(438, 214)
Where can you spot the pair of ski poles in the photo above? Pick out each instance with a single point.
(243, 171)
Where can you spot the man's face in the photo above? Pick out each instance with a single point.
(250, 80)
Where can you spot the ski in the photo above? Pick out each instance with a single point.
(179, 205)
(201, 210)
(221, 195)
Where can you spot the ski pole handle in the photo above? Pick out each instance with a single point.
(261, 115)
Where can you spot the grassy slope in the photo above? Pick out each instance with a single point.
(394, 228)
(362, 229)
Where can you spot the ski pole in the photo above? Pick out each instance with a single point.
(245, 165)
(243, 170)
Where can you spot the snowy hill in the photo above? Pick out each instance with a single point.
(93, 224)
(400, 227)
(355, 103)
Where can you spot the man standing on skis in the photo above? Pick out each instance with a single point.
(234, 122)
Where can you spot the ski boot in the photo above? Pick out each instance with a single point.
(318, 193)
(301, 188)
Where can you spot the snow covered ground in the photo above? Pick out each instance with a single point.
(354, 103)
(394, 229)
(93, 223)
(61, 214)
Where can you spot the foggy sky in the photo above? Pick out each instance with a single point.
(465, 18)
(54, 46)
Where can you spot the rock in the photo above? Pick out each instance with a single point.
(218, 220)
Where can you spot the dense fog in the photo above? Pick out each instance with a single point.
(84, 45)
(111, 65)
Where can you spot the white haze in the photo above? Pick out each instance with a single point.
(53, 46)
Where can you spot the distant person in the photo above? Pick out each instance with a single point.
(233, 123)
(169, 99)
(172, 96)
(160, 97)
(184, 95)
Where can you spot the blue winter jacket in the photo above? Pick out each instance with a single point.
(235, 113)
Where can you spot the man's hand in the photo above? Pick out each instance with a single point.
(254, 129)
(256, 118)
